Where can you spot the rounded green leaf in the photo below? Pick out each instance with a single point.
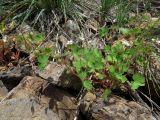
(39, 37)
(125, 31)
(42, 61)
(136, 85)
(121, 77)
(82, 75)
(106, 93)
(111, 69)
(88, 85)
(138, 78)
(109, 58)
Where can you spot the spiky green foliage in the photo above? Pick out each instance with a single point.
(43, 13)
(115, 10)
(118, 10)
(107, 4)
(43, 7)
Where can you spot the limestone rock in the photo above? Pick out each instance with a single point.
(3, 90)
(55, 74)
(29, 86)
(118, 108)
(14, 75)
(86, 102)
(22, 102)
(25, 109)
(31, 100)
(52, 72)
(60, 102)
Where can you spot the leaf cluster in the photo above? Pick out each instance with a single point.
(120, 58)
(32, 43)
(89, 64)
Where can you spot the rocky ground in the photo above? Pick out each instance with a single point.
(27, 93)
(48, 96)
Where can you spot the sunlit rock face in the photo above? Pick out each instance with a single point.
(117, 108)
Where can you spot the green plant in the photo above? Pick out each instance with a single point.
(88, 63)
(42, 61)
(138, 80)
(106, 93)
(120, 58)
(40, 13)
(118, 11)
(32, 43)
(122, 12)
(103, 31)
(29, 41)
(91, 66)
(106, 5)
(43, 57)
(2, 27)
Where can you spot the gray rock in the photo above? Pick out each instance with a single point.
(56, 74)
(31, 100)
(51, 73)
(86, 102)
(118, 108)
(25, 109)
(3, 90)
(60, 102)
(22, 102)
(14, 75)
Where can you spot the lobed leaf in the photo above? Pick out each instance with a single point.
(88, 85)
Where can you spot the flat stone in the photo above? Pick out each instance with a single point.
(86, 102)
(51, 73)
(118, 108)
(25, 109)
(22, 102)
